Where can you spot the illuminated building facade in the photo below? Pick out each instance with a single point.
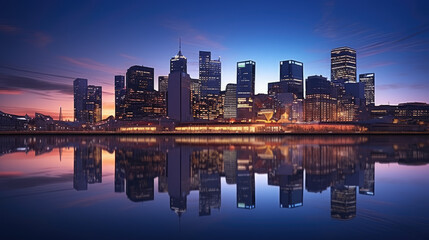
(141, 100)
(230, 103)
(343, 64)
(210, 79)
(369, 80)
(80, 86)
(245, 90)
(320, 104)
(292, 73)
(94, 104)
(209, 74)
(87, 102)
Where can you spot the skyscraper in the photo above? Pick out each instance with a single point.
(343, 64)
(210, 74)
(179, 90)
(119, 93)
(369, 80)
(292, 72)
(141, 100)
(230, 106)
(80, 86)
(245, 90)
(140, 78)
(94, 104)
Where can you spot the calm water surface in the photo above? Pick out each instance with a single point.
(337, 187)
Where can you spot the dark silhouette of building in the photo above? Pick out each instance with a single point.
(120, 92)
(179, 90)
(140, 78)
(80, 88)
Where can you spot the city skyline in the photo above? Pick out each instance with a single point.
(41, 60)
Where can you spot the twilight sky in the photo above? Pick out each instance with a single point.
(46, 44)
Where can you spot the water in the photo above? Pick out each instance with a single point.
(214, 187)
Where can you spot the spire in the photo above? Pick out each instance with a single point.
(180, 47)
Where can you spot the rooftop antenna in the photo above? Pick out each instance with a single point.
(180, 44)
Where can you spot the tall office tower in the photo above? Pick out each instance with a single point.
(209, 74)
(321, 101)
(245, 90)
(140, 78)
(343, 202)
(369, 80)
(80, 86)
(343, 64)
(94, 104)
(292, 72)
(119, 94)
(163, 84)
(210, 78)
(179, 90)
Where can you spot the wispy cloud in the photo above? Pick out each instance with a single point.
(36, 38)
(402, 86)
(10, 92)
(91, 65)
(128, 56)
(193, 36)
(8, 28)
(40, 39)
(20, 83)
(403, 41)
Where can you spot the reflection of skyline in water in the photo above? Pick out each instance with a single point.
(346, 165)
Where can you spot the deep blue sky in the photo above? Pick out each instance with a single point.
(98, 39)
